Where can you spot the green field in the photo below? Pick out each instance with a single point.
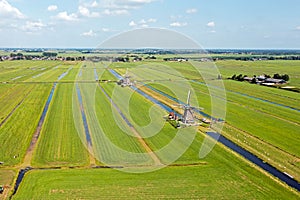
(59, 144)
(129, 131)
(264, 128)
(225, 177)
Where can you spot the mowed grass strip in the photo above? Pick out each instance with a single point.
(283, 97)
(72, 71)
(224, 177)
(59, 143)
(22, 70)
(11, 97)
(111, 144)
(122, 147)
(16, 133)
(115, 133)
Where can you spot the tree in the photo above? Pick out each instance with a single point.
(253, 81)
(49, 54)
(240, 77)
(267, 76)
(285, 77)
(277, 76)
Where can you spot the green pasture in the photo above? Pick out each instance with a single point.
(16, 71)
(292, 68)
(60, 144)
(274, 125)
(111, 144)
(11, 96)
(221, 176)
(268, 130)
(167, 142)
(16, 133)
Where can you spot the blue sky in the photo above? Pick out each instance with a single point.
(211, 23)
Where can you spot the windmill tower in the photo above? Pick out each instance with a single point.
(188, 117)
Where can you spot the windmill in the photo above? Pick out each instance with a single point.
(125, 81)
(188, 117)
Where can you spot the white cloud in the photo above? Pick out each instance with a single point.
(7, 10)
(94, 4)
(66, 17)
(151, 20)
(110, 7)
(124, 4)
(211, 24)
(143, 23)
(115, 12)
(86, 12)
(144, 26)
(32, 26)
(105, 29)
(140, 1)
(298, 28)
(176, 17)
(178, 24)
(90, 33)
(191, 11)
(52, 8)
(132, 23)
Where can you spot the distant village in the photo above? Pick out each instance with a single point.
(43, 56)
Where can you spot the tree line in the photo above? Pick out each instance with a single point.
(242, 77)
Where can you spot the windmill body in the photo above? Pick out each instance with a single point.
(188, 118)
(124, 82)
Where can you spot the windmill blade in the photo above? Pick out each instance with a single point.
(178, 105)
(188, 98)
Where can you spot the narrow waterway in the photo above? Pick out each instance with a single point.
(254, 159)
(83, 116)
(246, 154)
(20, 177)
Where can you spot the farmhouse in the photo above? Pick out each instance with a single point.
(261, 78)
(249, 79)
(275, 81)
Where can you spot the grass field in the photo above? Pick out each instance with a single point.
(60, 144)
(223, 177)
(269, 130)
(229, 68)
(260, 119)
(16, 133)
